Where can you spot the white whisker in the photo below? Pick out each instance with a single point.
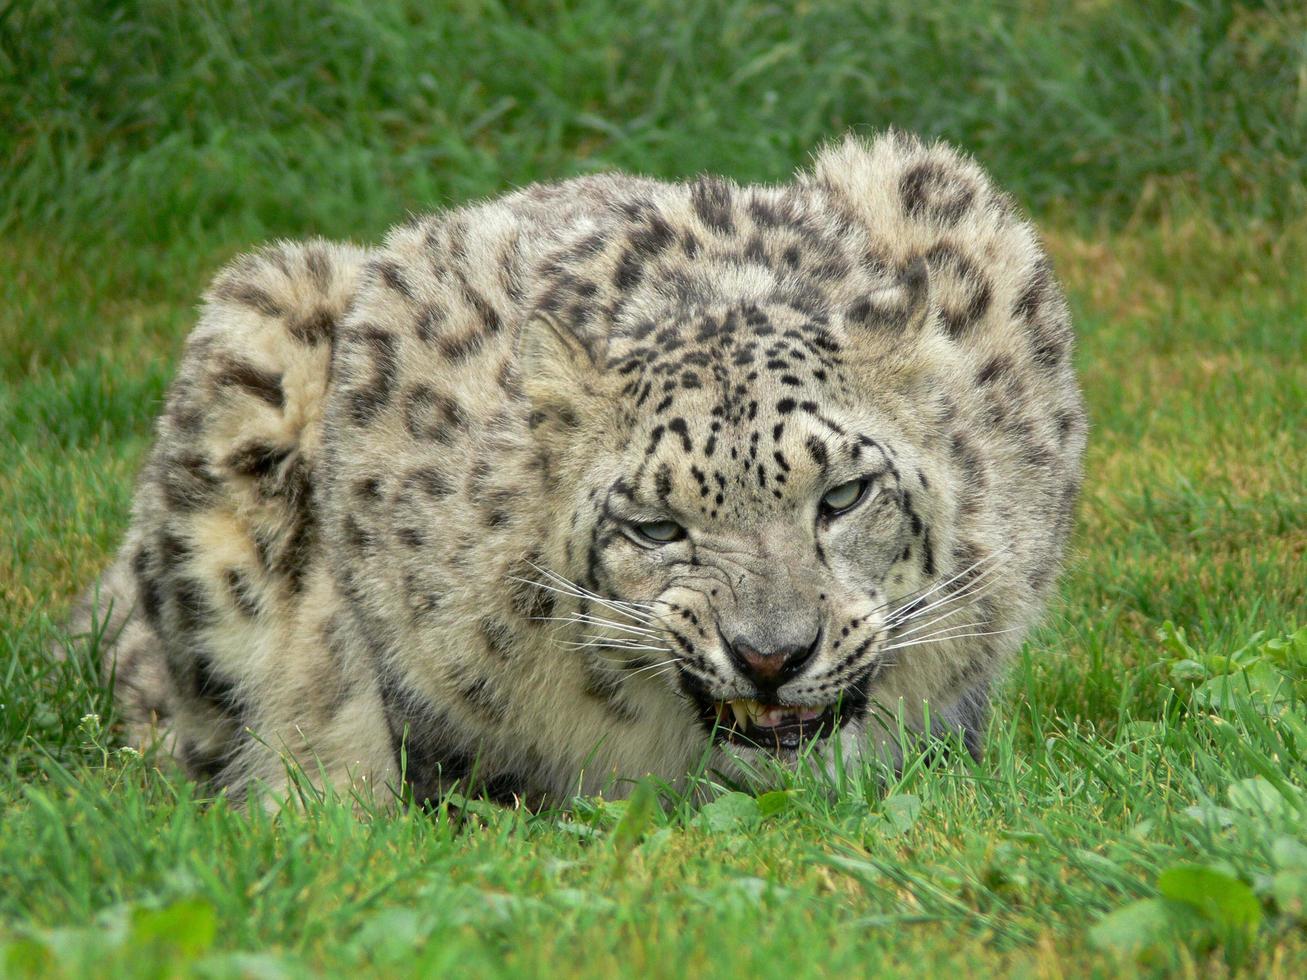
(617, 607)
(595, 642)
(934, 620)
(961, 592)
(961, 636)
(600, 621)
(966, 590)
(584, 620)
(909, 607)
(620, 642)
(948, 629)
(665, 665)
(582, 591)
(906, 601)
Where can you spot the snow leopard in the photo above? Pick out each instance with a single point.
(602, 479)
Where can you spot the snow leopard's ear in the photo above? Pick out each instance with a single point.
(558, 367)
(900, 308)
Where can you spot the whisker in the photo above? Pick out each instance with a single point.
(623, 664)
(665, 665)
(616, 663)
(906, 601)
(620, 643)
(595, 642)
(969, 588)
(962, 636)
(583, 619)
(600, 621)
(614, 640)
(910, 605)
(947, 629)
(917, 609)
(583, 591)
(940, 618)
(617, 607)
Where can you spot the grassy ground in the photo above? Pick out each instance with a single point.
(1143, 802)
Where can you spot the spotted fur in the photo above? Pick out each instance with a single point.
(386, 528)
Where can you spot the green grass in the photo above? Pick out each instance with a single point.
(1163, 148)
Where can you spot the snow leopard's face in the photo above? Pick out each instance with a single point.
(747, 521)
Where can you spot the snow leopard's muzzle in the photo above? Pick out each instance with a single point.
(779, 715)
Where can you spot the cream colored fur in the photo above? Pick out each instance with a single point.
(378, 467)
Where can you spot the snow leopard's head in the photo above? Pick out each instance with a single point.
(803, 451)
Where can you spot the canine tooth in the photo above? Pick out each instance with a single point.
(741, 712)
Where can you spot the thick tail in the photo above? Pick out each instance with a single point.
(223, 530)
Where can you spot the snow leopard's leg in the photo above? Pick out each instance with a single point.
(204, 608)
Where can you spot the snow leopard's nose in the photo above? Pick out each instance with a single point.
(770, 666)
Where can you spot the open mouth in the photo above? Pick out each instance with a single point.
(779, 728)
(773, 726)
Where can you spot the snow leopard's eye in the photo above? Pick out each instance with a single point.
(658, 532)
(838, 500)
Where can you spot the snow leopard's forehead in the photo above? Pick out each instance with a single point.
(725, 358)
(698, 265)
(730, 407)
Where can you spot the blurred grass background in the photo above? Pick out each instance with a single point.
(141, 137)
(1161, 146)
(296, 117)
